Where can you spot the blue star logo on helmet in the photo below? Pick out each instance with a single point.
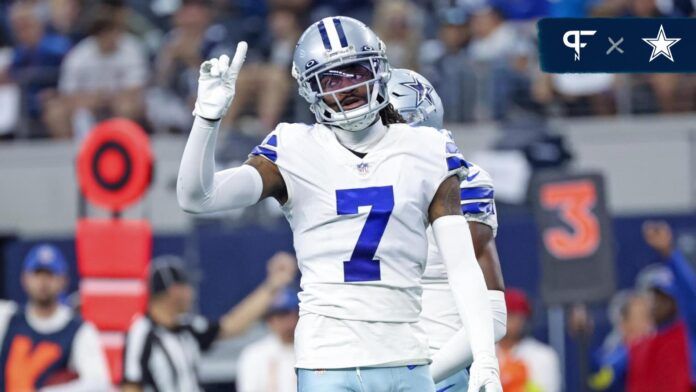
(423, 92)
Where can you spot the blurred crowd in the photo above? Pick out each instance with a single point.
(67, 64)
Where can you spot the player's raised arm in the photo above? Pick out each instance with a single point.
(453, 237)
(199, 188)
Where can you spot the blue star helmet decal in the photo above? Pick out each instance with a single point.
(423, 92)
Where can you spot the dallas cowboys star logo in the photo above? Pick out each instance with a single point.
(661, 45)
(423, 92)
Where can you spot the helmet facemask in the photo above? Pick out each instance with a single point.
(368, 70)
(414, 116)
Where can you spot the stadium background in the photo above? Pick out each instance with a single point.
(638, 131)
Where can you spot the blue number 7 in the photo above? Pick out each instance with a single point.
(361, 267)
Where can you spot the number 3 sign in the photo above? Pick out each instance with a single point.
(574, 202)
(575, 237)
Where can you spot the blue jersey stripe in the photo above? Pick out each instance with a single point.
(477, 193)
(477, 208)
(341, 34)
(272, 141)
(266, 152)
(455, 163)
(324, 36)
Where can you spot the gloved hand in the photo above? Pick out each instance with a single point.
(484, 375)
(216, 84)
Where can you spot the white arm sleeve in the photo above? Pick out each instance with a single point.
(200, 189)
(88, 361)
(456, 355)
(466, 281)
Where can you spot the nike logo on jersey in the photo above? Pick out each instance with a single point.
(471, 177)
(445, 388)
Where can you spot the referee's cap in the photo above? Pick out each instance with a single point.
(165, 272)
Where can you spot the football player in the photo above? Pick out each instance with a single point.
(417, 101)
(359, 188)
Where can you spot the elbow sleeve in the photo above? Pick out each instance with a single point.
(200, 188)
(233, 188)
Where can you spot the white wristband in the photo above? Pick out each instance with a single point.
(455, 354)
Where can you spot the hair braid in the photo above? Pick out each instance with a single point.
(389, 115)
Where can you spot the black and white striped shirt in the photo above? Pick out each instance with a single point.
(160, 359)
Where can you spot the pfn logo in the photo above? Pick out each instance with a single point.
(576, 43)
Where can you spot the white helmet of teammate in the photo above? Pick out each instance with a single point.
(338, 55)
(414, 97)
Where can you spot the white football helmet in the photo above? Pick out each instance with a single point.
(414, 97)
(337, 55)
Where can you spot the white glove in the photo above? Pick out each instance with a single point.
(216, 84)
(484, 375)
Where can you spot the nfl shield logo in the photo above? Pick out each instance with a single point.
(362, 168)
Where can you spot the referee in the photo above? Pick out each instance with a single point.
(164, 346)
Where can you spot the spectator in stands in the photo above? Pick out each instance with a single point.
(525, 363)
(265, 83)
(163, 348)
(63, 19)
(104, 76)
(503, 60)
(361, 10)
(44, 345)
(665, 361)
(492, 39)
(269, 364)
(445, 64)
(35, 67)
(193, 39)
(629, 313)
(400, 24)
(577, 94)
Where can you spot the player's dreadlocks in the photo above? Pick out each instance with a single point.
(389, 115)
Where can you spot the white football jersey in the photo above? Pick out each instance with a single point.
(440, 318)
(359, 226)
